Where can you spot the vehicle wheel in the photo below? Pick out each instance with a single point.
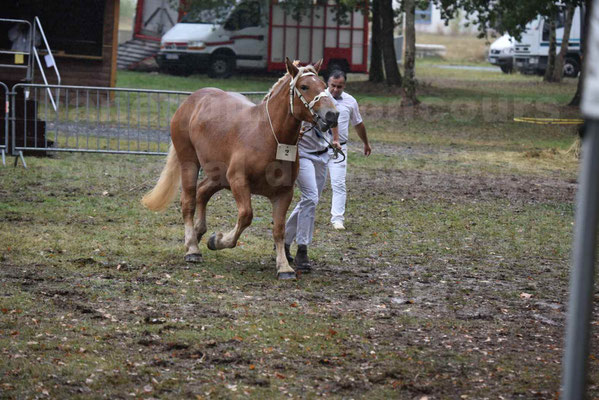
(571, 67)
(507, 69)
(221, 66)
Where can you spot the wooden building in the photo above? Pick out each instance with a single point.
(82, 34)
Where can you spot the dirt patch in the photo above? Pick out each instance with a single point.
(430, 186)
(390, 310)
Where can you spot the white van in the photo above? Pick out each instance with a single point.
(501, 53)
(257, 34)
(532, 50)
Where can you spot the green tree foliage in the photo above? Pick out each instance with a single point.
(502, 15)
(512, 16)
(295, 8)
(219, 8)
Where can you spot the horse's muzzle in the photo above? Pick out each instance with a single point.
(331, 118)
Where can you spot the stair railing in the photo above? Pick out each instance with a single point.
(50, 62)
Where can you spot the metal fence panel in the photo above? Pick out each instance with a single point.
(95, 119)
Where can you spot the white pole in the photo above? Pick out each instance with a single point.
(574, 375)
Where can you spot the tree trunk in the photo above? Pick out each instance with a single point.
(409, 82)
(575, 102)
(552, 45)
(388, 48)
(376, 73)
(558, 71)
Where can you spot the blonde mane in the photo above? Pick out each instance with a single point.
(281, 79)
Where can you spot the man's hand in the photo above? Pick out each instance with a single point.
(335, 144)
(361, 131)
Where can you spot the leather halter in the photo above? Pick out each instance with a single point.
(302, 71)
(293, 90)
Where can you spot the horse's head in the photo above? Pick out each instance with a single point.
(315, 105)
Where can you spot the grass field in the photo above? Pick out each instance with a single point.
(450, 281)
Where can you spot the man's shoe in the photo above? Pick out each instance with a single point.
(288, 253)
(338, 225)
(302, 262)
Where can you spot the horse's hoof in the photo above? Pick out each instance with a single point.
(284, 276)
(304, 268)
(193, 258)
(212, 242)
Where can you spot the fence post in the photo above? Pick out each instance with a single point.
(13, 122)
(4, 147)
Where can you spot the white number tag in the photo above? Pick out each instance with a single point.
(286, 152)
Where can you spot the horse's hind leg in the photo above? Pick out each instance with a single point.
(206, 189)
(280, 205)
(242, 194)
(189, 179)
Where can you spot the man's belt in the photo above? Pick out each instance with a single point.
(317, 153)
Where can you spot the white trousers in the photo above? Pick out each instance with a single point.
(310, 180)
(338, 173)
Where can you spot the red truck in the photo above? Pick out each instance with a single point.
(259, 34)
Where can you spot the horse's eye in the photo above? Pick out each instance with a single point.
(304, 87)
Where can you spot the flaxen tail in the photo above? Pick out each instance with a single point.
(167, 186)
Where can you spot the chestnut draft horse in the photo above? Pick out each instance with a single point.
(240, 146)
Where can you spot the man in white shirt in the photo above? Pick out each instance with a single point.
(313, 159)
(348, 112)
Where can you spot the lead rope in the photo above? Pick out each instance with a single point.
(293, 90)
(270, 122)
(336, 151)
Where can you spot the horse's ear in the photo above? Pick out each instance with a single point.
(292, 69)
(317, 65)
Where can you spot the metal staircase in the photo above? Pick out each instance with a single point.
(135, 51)
(24, 56)
(26, 37)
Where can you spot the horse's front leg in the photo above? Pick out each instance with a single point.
(280, 205)
(241, 192)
